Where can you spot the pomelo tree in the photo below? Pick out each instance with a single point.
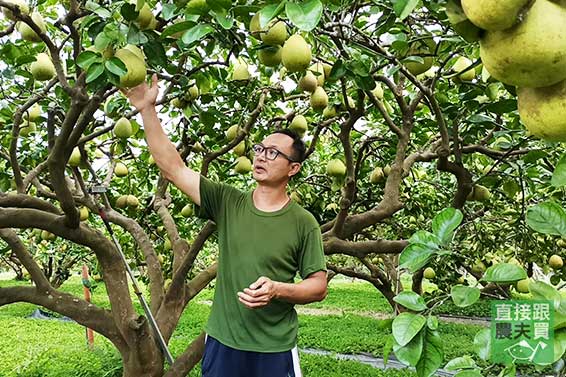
(396, 103)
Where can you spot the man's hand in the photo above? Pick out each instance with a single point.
(143, 96)
(260, 293)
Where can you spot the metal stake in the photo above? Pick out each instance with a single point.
(101, 190)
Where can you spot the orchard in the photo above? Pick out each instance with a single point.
(433, 133)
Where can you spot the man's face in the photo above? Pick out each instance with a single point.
(280, 169)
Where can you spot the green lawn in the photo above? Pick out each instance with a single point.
(33, 348)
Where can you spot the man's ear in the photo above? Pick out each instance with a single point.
(294, 169)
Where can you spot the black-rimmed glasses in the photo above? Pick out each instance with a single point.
(270, 152)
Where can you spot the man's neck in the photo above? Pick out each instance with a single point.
(270, 198)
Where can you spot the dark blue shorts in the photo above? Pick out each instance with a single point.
(223, 361)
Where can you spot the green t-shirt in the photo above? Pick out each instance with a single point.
(254, 243)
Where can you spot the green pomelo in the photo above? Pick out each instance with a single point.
(296, 54)
(531, 54)
(493, 15)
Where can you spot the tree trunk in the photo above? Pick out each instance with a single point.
(143, 364)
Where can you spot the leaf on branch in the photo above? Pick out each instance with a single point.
(94, 72)
(444, 224)
(410, 300)
(464, 296)
(306, 15)
(196, 33)
(406, 326)
(559, 175)
(403, 8)
(504, 273)
(548, 218)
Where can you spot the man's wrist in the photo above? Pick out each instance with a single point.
(148, 110)
(277, 290)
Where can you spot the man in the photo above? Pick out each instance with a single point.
(264, 240)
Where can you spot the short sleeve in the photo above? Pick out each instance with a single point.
(212, 196)
(311, 256)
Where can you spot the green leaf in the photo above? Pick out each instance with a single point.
(155, 53)
(136, 36)
(542, 291)
(177, 28)
(168, 11)
(425, 238)
(444, 224)
(100, 11)
(403, 8)
(365, 83)
(469, 373)
(196, 33)
(411, 352)
(219, 5)
(463, 362)
(415, 256)
(504, 106)
(306, 15)
(116, 66)
(559, 175)
(548, 218)
(432, 355)
(504, 273)
(86, 58)
(410, 300)
(481, 118)
(94, 72)
(387, 348)
(338, 71)
(102, 41)
(509, 371)
(139, 4)
(482, 343)
(406, 326)
(432, 322)
(224, 20)
(129, 12)
(268, 12)
(559, 344)
(464, 296)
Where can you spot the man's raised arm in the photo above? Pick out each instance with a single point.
(143, 98)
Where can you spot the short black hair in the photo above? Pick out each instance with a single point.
(299, 147)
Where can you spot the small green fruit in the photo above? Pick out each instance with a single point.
(523, 286)
(122, 201)
(75, 158)
(319, 99)
(121, 169)
(187, 210)
(123, 128)
(276, 35)
(243, 165)
(270, 56)
(429, 273)
(336, 168)
(240, 149)
(555, 262)
(232, 132)
(299, 125)
(42, 69)
(84, 213)
(377, 175)
(132, 201)
(296, 54)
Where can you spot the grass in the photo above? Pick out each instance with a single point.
(33, 348)
(353, 297)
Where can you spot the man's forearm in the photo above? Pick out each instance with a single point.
(163, 151)
(307, 291)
